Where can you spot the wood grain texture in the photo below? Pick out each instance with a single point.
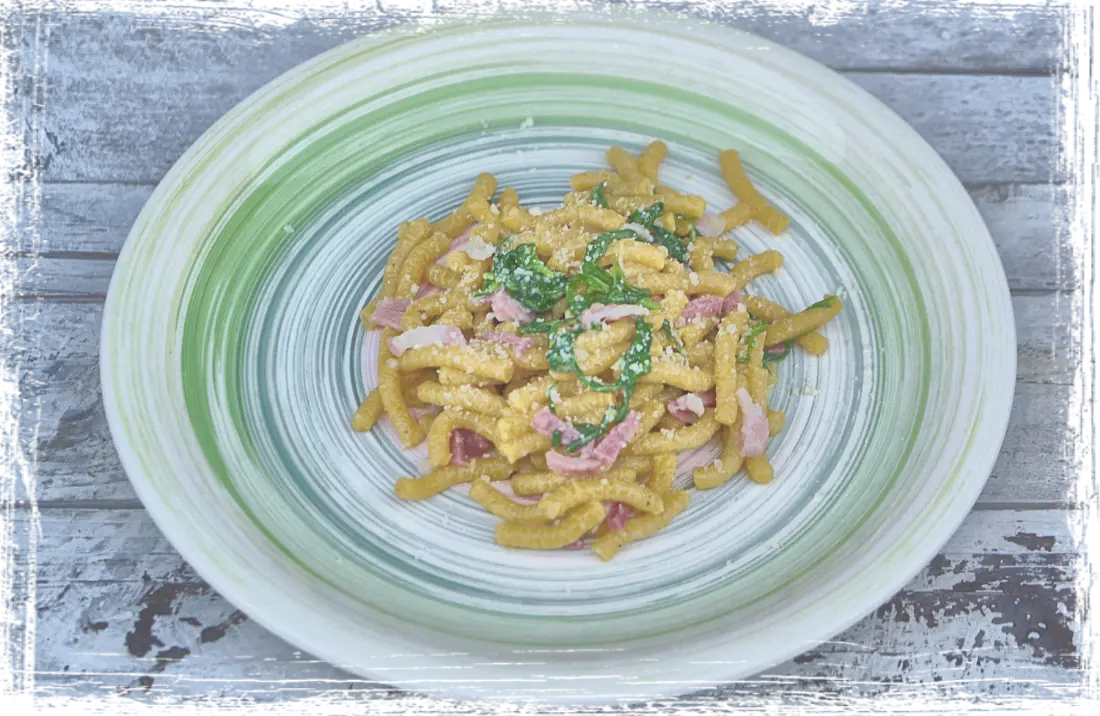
(120, 611)
(167, 85)
(91, 221)
(991, 620)
(57, 343)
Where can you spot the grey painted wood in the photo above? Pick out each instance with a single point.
(75, 459)
(987, 128)
(167, 85)
(119, 610)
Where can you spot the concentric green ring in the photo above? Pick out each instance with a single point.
(232, 357)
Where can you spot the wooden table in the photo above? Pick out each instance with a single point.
(110, 101)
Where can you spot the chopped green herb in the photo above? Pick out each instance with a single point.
(555, 439)
(598, 195)
(826, 302)
(676, 248)
(750, 340)
(648, 215)
(596, 285)
(552, 398)
(636, 362)
(600, 244)
(525, 278)
(540, 325)
(776, 357)
(677, 344)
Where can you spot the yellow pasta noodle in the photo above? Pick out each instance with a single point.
(642, 526)
(439, 439)
(774, 220)
(524, 446)
(569, 530)
(368, 413)
(621, 161)
(442, 478)
(504, 507)
(477, 362)
(664, 471)
(721, 470)
(688, 437)
(578, 492)
(754, 267)
(725, 365)
(500, 349)
(537, 483)
(393, 397)
(649, 161)
(796, 324)
(812, 342)
(467, 397)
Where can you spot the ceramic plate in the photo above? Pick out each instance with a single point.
(232, 357)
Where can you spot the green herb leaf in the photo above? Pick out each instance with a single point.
(540, 325)
(555, 439)
(552, 398)
(661, 237)
(775, 357)
(598, 196)
(598, 246)
(672, 338)
(525, 278)
(824, 303)
(648, 215)
(676, 249)
(595, 285)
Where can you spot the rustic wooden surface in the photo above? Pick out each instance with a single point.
(109, 101)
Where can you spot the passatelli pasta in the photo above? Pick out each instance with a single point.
(559, 361)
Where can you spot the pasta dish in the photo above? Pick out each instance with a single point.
(559, 361)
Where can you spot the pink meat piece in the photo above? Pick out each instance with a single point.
(730, 303)
(689, 408)
(427, 336)
(507, 308)
(389, 311)
(459, 242)
(428, 289)
(598, 312)
(608, 448)
(579, 466)
(710, 225)
(467, 445)
(617, 515)
(778, 348)
(754, 426)
(420, 411)
(575, 544)
(546, 423)
(702, 307)
(520, 344)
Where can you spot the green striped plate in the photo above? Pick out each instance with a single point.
(232, 359)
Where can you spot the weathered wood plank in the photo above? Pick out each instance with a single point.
(168, 82)
(81, 217)
(879, 36)
(54, 277)
(1029, 223)
(91, 221)
(56, 344)
(988, 129)
(118, 609)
